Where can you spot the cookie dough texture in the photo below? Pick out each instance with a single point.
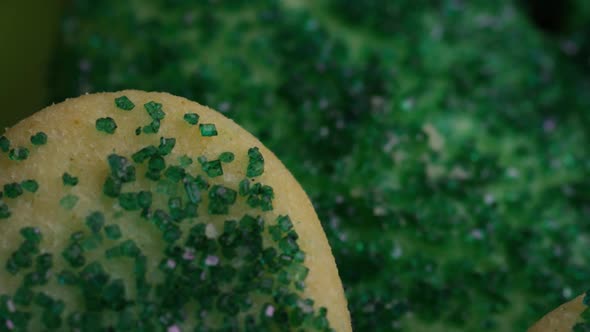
(76, 147)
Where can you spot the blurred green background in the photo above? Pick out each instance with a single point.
(444, 143)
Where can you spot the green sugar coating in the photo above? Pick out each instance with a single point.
(69, 180)
(4, 210)
(208, 129)
(166, 146)
(106, 125)
(226, 157)
(259, 195)
(95, 221)
(255, 260)
(211, 168)
(155, 110)
(13, 190)
(69, 201)
(112, 231)
(255, 163)
(124, 103)
(152, 128)
(220, 199)
(18, 154)
(39, 138)
(30, 185)
(185, 161)
(191, 118)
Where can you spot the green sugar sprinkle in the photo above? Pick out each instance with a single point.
(69, 180)
(39, 138)
(121, 168)
(135, 201)
(155, 110)
(31, 234)
(220, 199)
(4, 144)
(18, 154)
(73, 254)
(226, 157)
(30, 185)
(69, 201)
(124, 103)
(106, 125)
(95, 221)
(13, 190)
(175, 173)
(166, 146)
(211, 168)
(259, 195)
(185, 161)
(112, 187)
(208, 129)
(191, 118)
(145, 153)
(66, 277)
(255, 163)
(152, 128)
(4, 211)
(112, 231)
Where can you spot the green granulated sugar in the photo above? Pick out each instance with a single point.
(124, 103)
(39, 138)
(185, 161)
(226, 157)
(259, 195)
(212, 168)
(30, 185)
(13, 190)
(255, 163)
(208, 129)
(69, 180)
(106, 125)
(18, 154)
(244, 187)
(69, 201)
(31, 234)
(156, 163)
(220, 199)
(175, 173)
(129, 201)
(4, 144)
(144, 154)
(4, 211)
(112, 231)
(191, 118)
(66, 277)
(95, 221)
(166, 146)
(144, 199)
(73, 254)
(121, 168)
(112, 187)
(155, 110)
(152, 128)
